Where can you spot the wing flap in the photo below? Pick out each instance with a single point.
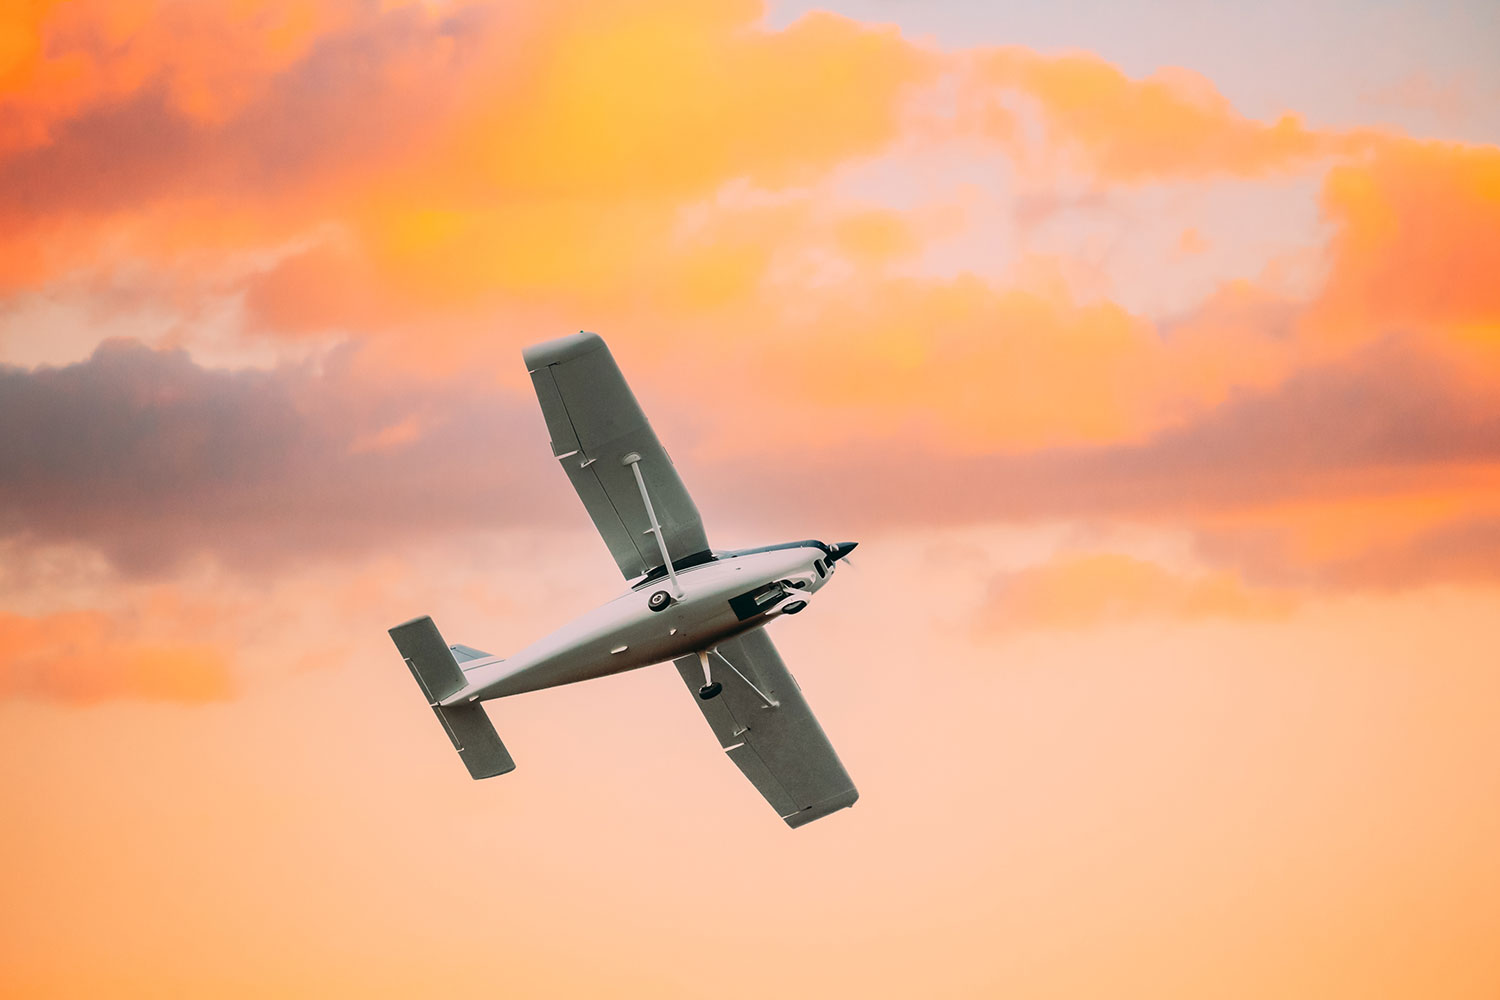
(554, 411)
(782, 750)
(606, 517)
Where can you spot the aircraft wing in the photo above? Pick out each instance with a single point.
(781, 750)
(595, 421)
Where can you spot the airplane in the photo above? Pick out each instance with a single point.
(702, 609)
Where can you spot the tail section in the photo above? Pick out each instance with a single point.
(438, 675)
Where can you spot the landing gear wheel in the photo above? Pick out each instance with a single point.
(710, 690)
(792, 607)
(659, 601)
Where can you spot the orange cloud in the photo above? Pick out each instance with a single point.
(1382, 530)
(977, 368)
(1105, 588)
(86, 656)
(326, 287)
(875, 235)
(62, 60)
(678, 96)
(1416, 247)
(1173, 123)
(462, 159)
(568, 181)
(540, 151)
(460, 153)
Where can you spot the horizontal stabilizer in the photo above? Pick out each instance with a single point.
(432, 663)
(475, 739)
(430, 659)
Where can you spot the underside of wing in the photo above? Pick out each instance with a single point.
(781, 748)
(595, 422)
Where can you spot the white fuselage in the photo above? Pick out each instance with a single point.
(625, 633)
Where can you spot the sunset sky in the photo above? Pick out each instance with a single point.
(1151, 352)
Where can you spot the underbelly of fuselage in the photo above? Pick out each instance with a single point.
(626, 634)
(625, 649)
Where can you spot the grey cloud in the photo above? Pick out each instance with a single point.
(151, 458)
(335, 109)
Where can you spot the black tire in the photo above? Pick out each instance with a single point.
(710, 691)
(660, 601)
(792, 607)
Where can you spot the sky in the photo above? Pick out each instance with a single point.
(1150, 351)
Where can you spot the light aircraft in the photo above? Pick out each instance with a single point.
(703, 609)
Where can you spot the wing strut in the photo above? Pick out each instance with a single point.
(634, 461)
(710, 689)
(770, 702)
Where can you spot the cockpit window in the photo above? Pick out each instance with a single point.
(818, 565)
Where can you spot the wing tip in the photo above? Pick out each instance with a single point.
(409, 623)
(818, 810)
(552, 352)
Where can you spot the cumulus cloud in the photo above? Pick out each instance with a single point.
(63, 60)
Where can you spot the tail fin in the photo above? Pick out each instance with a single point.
(437, 673)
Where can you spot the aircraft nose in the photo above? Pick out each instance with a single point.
(840, 549)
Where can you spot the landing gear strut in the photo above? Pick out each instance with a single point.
(711, 687)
